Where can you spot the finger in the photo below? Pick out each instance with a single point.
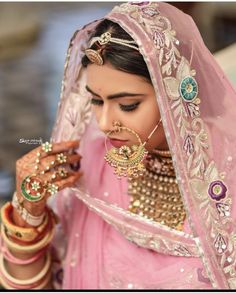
(70, 159)
(63, 147)
(68, 182)
(46, 164)
(56, 147)
(30, 159)
(57, 175)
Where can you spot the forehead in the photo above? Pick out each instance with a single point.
(106, 79)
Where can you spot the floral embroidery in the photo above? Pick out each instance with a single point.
(220, 244)
(209, 191)
(188, 145)
(140, 3)
(174, 84)
(150, 12)
(180, 250)
(223, 209)
(217, 190)
(159, 39)
(188, 89)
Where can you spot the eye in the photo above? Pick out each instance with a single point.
(97, 102)
(129, 108)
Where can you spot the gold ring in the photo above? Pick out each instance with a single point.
(61, 158)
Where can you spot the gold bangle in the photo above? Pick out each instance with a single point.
(24, 234)
(33, 280)
(28, 248)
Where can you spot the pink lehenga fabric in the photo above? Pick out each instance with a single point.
(107, 247)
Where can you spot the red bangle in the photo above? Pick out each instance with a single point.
(39, 237)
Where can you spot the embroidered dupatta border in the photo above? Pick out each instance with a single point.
(215, 207)
(149, 234)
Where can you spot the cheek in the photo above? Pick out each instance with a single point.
(146, 119)
(142, 121)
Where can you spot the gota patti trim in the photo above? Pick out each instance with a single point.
(149, 234)
(209, 194)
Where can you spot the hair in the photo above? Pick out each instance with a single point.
(120, 57)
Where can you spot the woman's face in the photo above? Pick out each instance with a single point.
(128, 99)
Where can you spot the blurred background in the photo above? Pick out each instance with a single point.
(33, 41)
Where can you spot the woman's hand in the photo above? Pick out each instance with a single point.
(50, 170)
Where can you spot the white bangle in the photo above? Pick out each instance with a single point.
(26, 216)
(44, 283)
(5, 285)
(33, 280)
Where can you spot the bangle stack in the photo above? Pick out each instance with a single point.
(32, 241)
(11, 258)
(18, 233)
(32, 283)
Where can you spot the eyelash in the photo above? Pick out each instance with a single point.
(129, 108)
(125, 108)
(96, 102)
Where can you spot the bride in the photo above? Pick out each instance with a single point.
(142, 160)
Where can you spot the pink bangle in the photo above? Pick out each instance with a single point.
(11, 258)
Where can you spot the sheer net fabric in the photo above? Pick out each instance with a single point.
(196, 101)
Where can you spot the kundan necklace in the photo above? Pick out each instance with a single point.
(156, 195)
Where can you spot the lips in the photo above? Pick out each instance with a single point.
(117, 143)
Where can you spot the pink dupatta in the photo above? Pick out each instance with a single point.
(108, 247)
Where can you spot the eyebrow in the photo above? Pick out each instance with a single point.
(115, 96)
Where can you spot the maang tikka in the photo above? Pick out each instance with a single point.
(127, 161)
(95, 56)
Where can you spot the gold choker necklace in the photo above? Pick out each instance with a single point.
(156, 195)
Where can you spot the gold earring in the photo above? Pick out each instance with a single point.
(127, 161)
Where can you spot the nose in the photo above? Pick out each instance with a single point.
(105, 119)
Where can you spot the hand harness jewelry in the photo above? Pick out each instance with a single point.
(34, 189)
